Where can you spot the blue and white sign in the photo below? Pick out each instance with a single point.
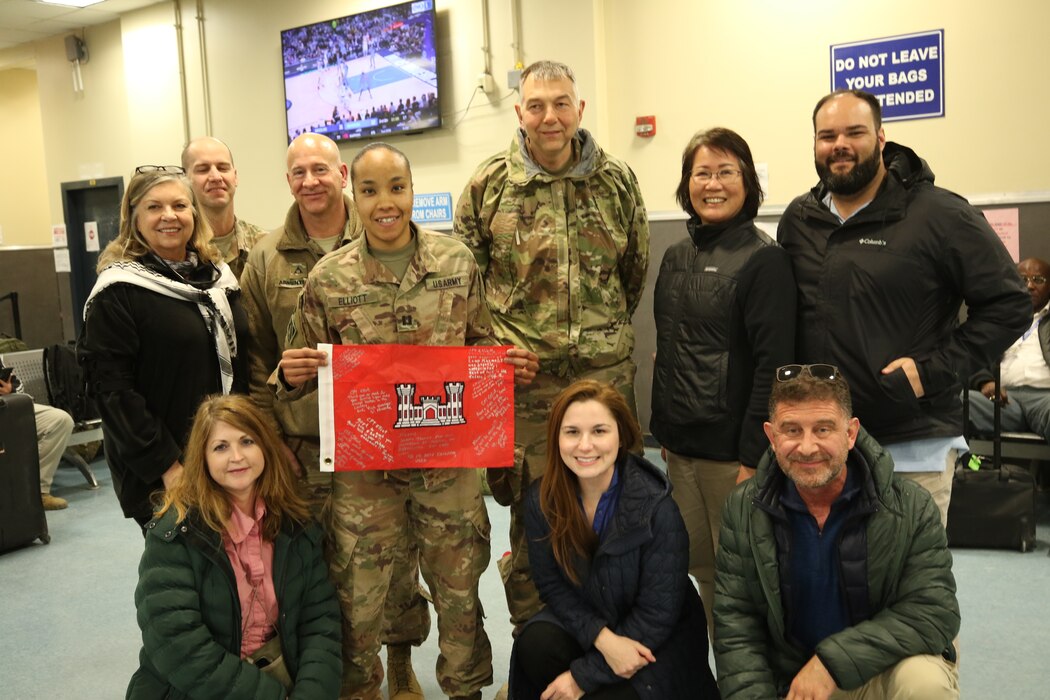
(432, 208)
(905, 72)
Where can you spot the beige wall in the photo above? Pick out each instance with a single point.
(756, 66)
(24, 209)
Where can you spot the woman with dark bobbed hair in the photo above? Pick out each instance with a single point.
(163, 328)
(725, 320)
(609, 555)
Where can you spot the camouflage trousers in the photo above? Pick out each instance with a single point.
(407, 614)
(531, 407)
(378, 516)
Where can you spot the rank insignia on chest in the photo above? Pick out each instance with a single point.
(406, 323)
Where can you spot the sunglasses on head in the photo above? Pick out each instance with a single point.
(788, 373)
(174, 169)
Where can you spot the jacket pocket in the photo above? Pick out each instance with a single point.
(902, 402)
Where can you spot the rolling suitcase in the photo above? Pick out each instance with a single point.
(992, 507)
(22, 518)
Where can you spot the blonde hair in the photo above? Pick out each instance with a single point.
(130, 244)
(197, 490)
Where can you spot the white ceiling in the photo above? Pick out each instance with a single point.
(25, 21)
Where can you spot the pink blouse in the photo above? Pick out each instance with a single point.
(252, 560)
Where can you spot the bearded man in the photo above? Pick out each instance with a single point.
(883, 260)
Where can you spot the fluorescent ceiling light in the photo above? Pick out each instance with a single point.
(70, 3)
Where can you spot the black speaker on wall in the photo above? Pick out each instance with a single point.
(76, 49)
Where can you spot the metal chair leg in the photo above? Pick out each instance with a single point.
(77, 461)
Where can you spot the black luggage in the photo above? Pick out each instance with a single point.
(22, 517)
(992, 507)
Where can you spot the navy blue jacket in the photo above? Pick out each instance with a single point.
(636, 584)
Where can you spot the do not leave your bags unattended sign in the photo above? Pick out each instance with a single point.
(408, 406)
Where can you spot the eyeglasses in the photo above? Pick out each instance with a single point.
(1034, 279)
(723, 175)
(827, 373)
(174, 169)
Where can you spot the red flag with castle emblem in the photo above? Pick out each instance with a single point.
(409, 406)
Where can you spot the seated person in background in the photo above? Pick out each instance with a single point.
(1024, 368)
(53, 428)
(610, 557)
(233, 597)
(833, 577)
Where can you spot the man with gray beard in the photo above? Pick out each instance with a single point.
(883, 260)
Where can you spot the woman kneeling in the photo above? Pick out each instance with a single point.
(233, 596)
(609, 555)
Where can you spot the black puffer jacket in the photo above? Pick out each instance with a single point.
(889, 282)
(725, 320)
(636, 584)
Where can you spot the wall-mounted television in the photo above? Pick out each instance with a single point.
(364, 75)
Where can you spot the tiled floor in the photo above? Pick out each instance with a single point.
(67, 617)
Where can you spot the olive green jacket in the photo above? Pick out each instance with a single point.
(896, 572)
(273, 277)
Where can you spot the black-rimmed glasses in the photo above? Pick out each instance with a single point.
(173, 169)
(827, 373)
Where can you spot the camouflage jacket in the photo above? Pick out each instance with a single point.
(353, 299)
(563, 256)
(273, 277)
(245, 238)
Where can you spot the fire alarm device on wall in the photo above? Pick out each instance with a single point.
(645, 126)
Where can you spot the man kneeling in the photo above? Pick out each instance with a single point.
(833, 576)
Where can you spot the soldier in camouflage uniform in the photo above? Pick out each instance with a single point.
(560, 232)
(208, 163)
(321, 219)
(401, 284)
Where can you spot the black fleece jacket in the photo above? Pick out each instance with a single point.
(148, 361)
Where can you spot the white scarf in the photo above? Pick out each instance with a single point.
(213, 303)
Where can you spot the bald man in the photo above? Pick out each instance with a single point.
(1025, 367)
(322, 219)
(208, 163)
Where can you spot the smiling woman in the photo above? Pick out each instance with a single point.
(233, 592)
(725, 307)
(608, 551)
(163, 327)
